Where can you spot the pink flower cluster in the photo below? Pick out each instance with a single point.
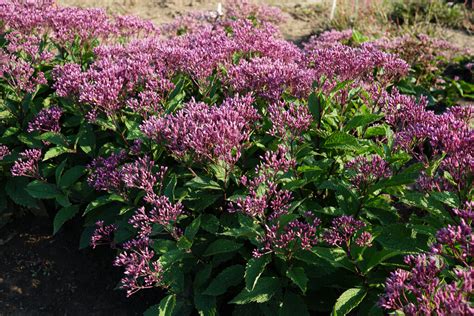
(213, 133)
(368, 171)
(423, 288)
(65, 25)
(102, 234)
(449, 134)
(264, 199)
(289, 121)
(106, 175)
(4, 151)
(47, 120)
(141, 270)
(297, 234)
(344, 230)
(27, 164)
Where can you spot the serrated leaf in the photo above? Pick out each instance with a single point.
(54, 138)
(203, 183)
(222, 246)
(348, 300)
(170, 187)
(230, 276)
(341, 140)
(59, 170)
(264, 290)
(42, 190)
(361, 120)
(298, 276)
(254, 270)
(16, 190)
(165, 308)
(315, 107)
(103, 200)
(71, 176)
(55, 152)
(64, 214)
(86, 139)
(293, 305)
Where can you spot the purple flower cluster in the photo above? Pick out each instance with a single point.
(422, 291)
(163, 213)
(65, 25)
(297, 234)
(102, 234)
(27, 164)
(289, 120)
(433, 285)
(141, 271)
(264, 198)
(4, 151)
(342, 63)
(449, 134)
(106, 174)
(328, 39)
(139, 174)
(47, 120)
(214, 133)
(368, 171)
(270, 78)
(20, 74)
(344, 230)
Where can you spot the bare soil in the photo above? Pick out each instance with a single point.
(42, 274)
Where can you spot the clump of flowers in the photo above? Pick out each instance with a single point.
(264, 198)
(47, 120)
(368, 171)
(4, 151)
(106, 174)
(141, 271)
(295, 235)
(213, 133)
(102, 234)
(345, 230)
(163, 213)
(434, 285)
(289, 120)
(27, 164)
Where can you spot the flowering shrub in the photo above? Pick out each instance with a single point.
(234, 170)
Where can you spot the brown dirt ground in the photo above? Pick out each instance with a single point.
(47, 275)
(304, 17)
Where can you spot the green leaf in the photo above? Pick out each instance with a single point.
(64, 214)
(59, 170)
(315, 107)
(42, 190)
(341, 140)
(298, 276)
(293, 305)
(103, 200)
(170, 186)
(254, 270)
(193, 228)
(86, 139)
(16, 190)
(165, 308)
(361, 120)
(264, 290)
(203, 183)
(56, 151)
(210, 223)
(335, 256)
(230, 276)
(348, 300)
(399, 237)
(222, 246)
(71, 176)
(54, 138)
